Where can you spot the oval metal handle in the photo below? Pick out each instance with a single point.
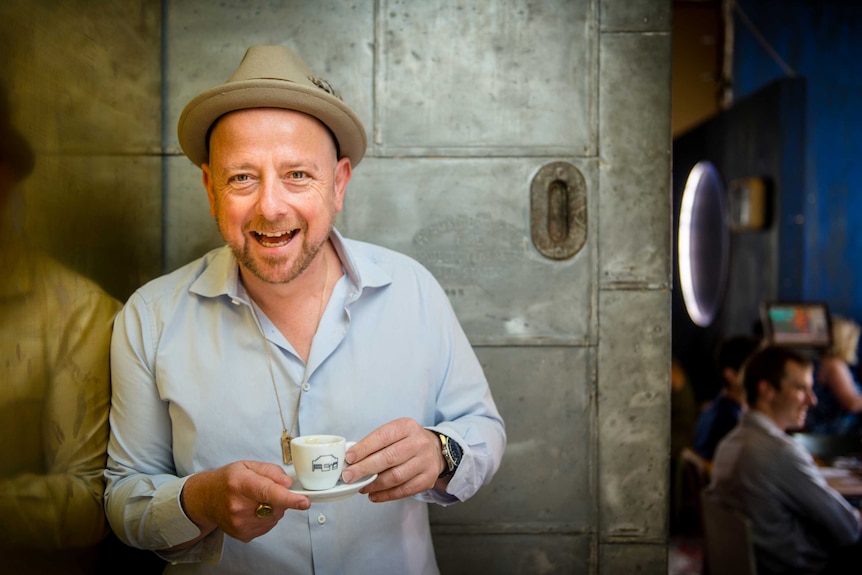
(558, 210)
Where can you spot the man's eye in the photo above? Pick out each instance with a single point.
(240, 178)
(296, 175)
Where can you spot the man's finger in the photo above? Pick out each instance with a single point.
(272, 471)
(268, 483)
(380, 438)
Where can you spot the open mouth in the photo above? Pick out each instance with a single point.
(274, 239)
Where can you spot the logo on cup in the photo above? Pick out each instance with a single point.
(324, 463)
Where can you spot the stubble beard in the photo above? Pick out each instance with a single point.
(278, 270)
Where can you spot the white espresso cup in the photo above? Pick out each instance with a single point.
(318, 460)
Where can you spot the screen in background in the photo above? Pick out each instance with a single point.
(797, 324)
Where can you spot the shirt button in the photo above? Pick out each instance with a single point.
(321, 519)
(306, 387)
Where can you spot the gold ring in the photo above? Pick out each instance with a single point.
(263, 510)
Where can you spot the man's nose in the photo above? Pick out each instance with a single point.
(271, 202)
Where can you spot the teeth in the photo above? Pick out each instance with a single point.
(273, 244)
(282, 238)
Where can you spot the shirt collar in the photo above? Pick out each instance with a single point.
(221, 274)
(763, 421)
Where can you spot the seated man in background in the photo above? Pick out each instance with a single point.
(839, 397)
(799, 524)
(724, 411)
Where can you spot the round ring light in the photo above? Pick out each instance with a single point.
(703, 243)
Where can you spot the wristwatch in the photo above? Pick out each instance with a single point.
(452, 454)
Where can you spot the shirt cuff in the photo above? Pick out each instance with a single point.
(457, 483)
(174, 528)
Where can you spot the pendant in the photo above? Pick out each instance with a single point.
(285, 448)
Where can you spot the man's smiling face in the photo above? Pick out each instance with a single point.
(274, 186)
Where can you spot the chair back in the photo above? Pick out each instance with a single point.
(695, 475)
(727, 533)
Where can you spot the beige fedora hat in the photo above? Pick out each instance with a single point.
(271, 77)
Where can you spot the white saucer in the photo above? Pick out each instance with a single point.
(340, 491)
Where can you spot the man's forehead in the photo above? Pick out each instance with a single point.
(239, 115)
(798, 373)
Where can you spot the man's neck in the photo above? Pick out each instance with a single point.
(296, 307)
(306, 285)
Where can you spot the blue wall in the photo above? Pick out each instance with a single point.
(821, 40)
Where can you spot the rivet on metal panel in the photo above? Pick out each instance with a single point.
(558, 210)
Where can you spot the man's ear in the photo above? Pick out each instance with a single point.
(343, 172)
(765, 391)
(206, 176)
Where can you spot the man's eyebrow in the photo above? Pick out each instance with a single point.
(232, 167)
(299, 166)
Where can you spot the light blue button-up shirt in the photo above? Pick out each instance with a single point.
(192, 391)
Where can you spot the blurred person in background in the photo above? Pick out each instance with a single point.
(839, 396)
(723, 413)
(55, 329)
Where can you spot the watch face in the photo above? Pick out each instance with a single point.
(452, 454)
(456, 452)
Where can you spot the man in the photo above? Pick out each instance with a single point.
(798, 522)
(289, 330)
(724, 411)
(55, 331)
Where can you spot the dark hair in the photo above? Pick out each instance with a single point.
(769, 365)
(733, 351)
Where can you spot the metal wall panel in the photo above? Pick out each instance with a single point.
(486, 79)
(468, 221)
(99, 214)
(620, 559)
(84, 83)
(191, 230)
(634, 308)
(546, 395)
(635, 16)
(635, 200)
(633, 414)
(537, 554)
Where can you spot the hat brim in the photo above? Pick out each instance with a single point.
(200, 114)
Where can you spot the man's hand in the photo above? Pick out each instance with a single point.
(406, 456)
(228, 497)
